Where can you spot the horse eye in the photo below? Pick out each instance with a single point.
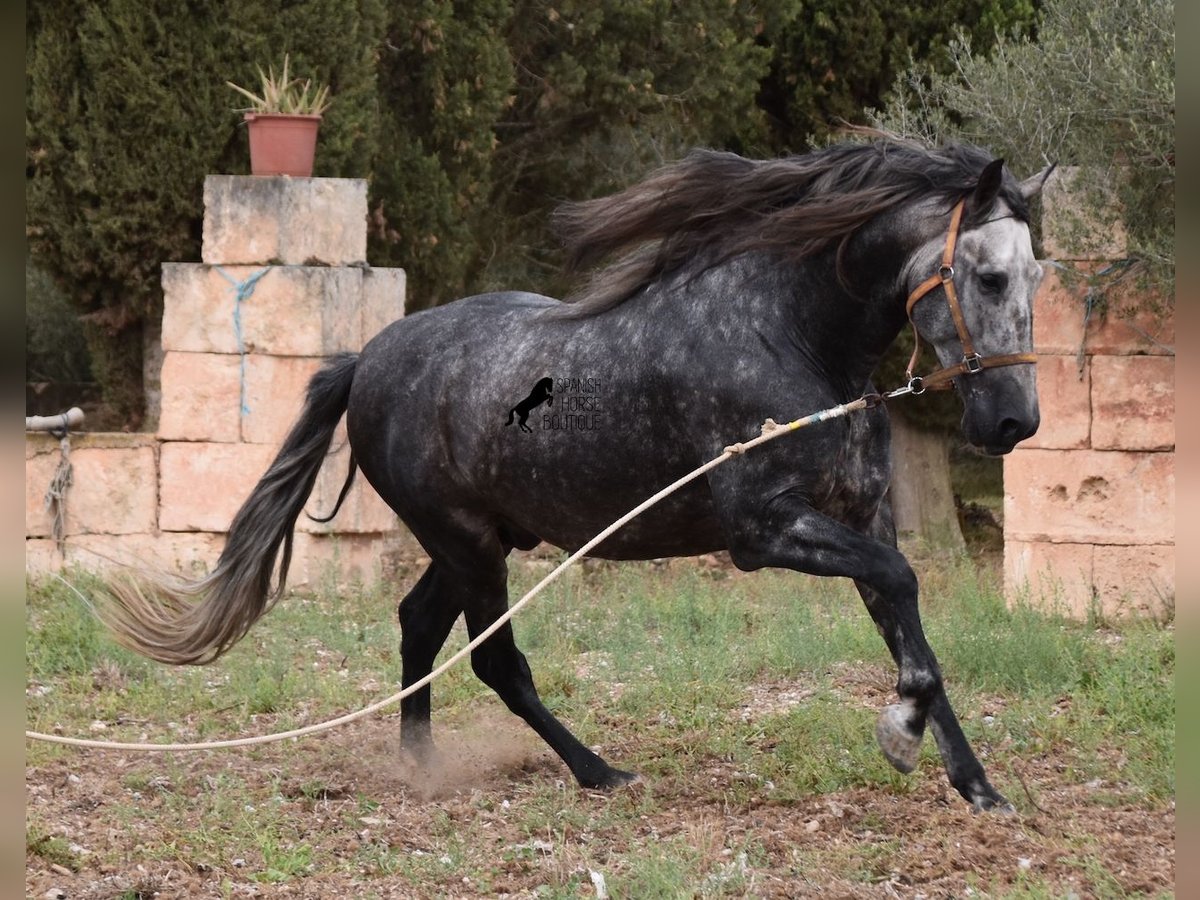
(993, 282)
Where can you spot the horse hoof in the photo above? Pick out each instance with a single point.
(423, 753)
(993, 803)
(612, 779)
(896, 739)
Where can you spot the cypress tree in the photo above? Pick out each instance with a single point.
(128, 110)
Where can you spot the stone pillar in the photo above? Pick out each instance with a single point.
(282, 286)
(1089, 501)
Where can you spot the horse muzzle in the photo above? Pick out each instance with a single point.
(998, 415)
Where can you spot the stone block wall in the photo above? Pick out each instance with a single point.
(1089, 501)
(282, 286)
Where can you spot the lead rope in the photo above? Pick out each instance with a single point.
(770, 431)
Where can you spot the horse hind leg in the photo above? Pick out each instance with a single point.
(427, 614)
(478, 579)
(502, 667)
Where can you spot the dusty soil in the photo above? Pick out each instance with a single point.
(923, 844)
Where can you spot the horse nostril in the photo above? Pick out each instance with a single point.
(1011, 430)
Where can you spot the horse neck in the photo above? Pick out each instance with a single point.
(846, 327)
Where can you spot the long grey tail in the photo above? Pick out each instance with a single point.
(183, 622)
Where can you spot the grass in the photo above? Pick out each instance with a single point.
(675, 673)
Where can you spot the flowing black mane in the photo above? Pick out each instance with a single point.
(714, 206)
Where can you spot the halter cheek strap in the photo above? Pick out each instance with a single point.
(972, 362)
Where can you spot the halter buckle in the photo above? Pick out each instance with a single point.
(974, 363)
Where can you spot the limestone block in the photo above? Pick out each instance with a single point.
(275, 389)
(187, 554)
(1058, 315)
(293, 310)
(115, 490)
(114, 487)
(1127, 321)
(1132, 322)
(1054, 577)
(362, 513)
(383, 300)
(201, 397)
(336, 559)
(1089, 496)
(295, 221)
(1081, 216)
(41, 460)
(42, 556)
(1133, 402)
(204, 484)
(1064, 402)
(1135, 579)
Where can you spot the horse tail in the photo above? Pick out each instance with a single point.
(346, 485)
(193, 622)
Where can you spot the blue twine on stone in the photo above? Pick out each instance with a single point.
(241, 291)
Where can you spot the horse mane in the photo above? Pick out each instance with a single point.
(711, 206)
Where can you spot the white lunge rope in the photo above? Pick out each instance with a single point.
(770, 431)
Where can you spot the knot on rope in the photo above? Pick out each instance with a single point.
(769, 428)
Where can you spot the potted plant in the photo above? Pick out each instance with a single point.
(282, 122)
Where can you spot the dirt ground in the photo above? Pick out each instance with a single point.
(923, 844)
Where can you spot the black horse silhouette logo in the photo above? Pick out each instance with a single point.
(543, 392)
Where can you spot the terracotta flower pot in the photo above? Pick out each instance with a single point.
(282, 144)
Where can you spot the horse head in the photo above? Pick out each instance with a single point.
(976, 309)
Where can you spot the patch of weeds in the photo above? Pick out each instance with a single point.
(139, 780)
(668, 871)
(54, 850)
(377, 859)
(282, 861)
(827, 746)
(146, 890)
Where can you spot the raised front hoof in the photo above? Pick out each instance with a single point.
(610, 780)
(899, 743)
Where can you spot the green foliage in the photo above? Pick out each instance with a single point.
(1096, 89)
(832, 58)
(498, 111)
(55, 348)
(127, 111)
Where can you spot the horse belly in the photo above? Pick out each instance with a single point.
(683, 524)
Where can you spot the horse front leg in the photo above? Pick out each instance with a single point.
(790, 533)
(963, 768)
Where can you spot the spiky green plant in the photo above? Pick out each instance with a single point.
(283, 95)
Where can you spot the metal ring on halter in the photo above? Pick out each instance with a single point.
(916, 385)
(946, 273)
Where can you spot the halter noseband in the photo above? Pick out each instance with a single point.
(972, 362)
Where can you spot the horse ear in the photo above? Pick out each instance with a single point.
(988, 187)
(1034, 183)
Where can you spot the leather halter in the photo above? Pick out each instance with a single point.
(972, 362)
